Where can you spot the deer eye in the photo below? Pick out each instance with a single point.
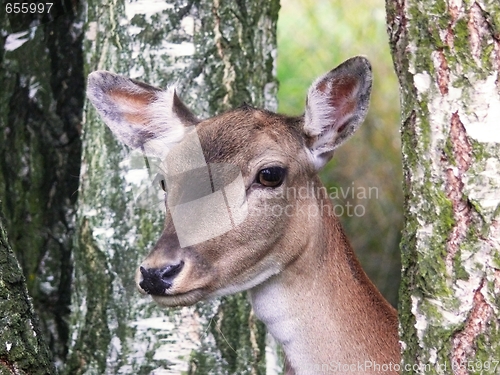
(163, 185)
(271, 177)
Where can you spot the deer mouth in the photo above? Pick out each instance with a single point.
(167, 284)
(180, 299)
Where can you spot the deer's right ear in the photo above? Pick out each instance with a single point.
(139, 115)
(337, 104)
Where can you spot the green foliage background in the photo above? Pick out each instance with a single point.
(314, 37)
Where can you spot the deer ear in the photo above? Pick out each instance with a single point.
(336, 106)
(139, 115)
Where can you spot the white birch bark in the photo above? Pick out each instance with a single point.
(447, 57)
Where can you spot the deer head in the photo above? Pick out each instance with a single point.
(259, 222)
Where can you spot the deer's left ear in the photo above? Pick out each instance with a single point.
(336, 106)
(139, 115)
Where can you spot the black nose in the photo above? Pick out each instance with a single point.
(157, 280)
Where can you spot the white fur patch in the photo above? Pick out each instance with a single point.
(318, 113)
(167, 128)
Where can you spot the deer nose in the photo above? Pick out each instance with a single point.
(157, 281)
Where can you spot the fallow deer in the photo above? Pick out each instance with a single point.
(287, 250)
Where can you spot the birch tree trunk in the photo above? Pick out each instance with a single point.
(41, 100)
(219, 56)
(447, 57)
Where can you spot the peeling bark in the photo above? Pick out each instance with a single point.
(462, 209)
(464, 341)
(447, 55)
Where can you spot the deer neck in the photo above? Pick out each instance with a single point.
(325, 312)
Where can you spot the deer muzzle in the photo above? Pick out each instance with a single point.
(157, 281)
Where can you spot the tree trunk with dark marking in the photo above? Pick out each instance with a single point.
(41, 102)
